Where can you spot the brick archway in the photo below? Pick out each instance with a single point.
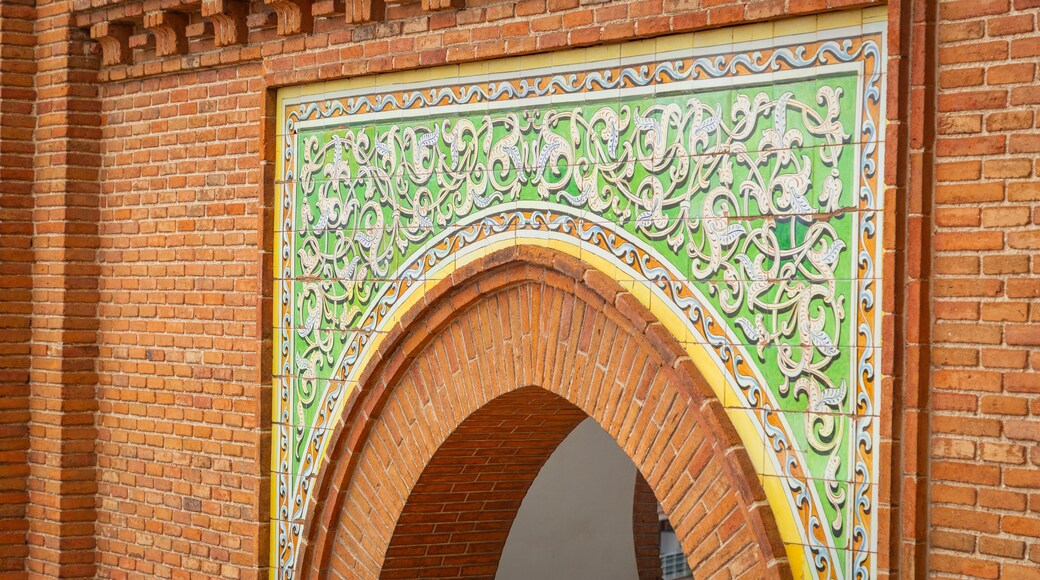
(490, 356)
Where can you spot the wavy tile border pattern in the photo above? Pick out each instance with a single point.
(730, 179)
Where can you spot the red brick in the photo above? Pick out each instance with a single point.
(955, 402)
(961, 77)
(1007, 168)
(1002, 499)
(948, 540)
(952, 494)
(1023, 288)
(976, 52)
(1012, 571)
(965, 519)
(956, 311)
(1027, 382)
(1000, 217)
(967, 380)
(1015, 73)
(1005, 25)
(953, 449)
(973, 100)
(1009, 120)
(960, 170)
(1024, 478)
(964, 9)
(985, 240)
(1025, 96)
(976, 427)
(1024, 335)
(955, 265)
(960, 125)
(1005, 358)
(943, 356)
(970, 146)
(1028, 240)
(958, 216)
(1021, 526)
(1003, 405)
(965, 565)
(1005, 311)
(1025, 47)
(1003, 453)
(1024, 191)
(1022, 430)
(958, 31)
(968, 333)
(1023, 143)
(967, 287)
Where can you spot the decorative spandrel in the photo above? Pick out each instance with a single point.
(740, 185)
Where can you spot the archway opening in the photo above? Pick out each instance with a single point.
(591, 514)
(458, 516)
(530, 487)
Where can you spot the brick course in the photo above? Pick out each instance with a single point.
(984, 463)
(62, 480)
(17, 94)
(179, 428)
(135, 244)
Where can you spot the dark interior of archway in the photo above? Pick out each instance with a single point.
(458, 515)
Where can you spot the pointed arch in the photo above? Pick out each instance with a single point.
(517, 319)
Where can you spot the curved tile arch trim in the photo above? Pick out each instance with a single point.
(725, 365)
(352, 250)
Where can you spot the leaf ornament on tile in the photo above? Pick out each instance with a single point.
(376, 196)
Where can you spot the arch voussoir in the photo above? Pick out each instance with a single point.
(467, 400)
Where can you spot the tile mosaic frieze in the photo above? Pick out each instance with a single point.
(733, 177)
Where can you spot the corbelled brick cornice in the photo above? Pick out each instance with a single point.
(168, 26)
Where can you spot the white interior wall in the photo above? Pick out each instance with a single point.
(576, 520)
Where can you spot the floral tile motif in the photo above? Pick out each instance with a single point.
(739, 183)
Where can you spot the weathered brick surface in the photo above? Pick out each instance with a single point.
(985, 465)
(63, 377)
(142, 334)
(179, 434)
(17, 69)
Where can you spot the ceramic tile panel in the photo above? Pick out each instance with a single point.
(731, 179)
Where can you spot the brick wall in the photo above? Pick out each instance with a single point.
(179, 426)
(985, 466)
(16, 151)
(148, 356)
(63, 378)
